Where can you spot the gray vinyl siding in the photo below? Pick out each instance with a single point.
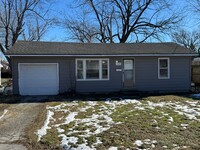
(65, 73)
(67, 77)
(146, 75)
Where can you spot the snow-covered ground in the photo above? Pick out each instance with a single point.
(100, 120)
(146, 141)
(43, 131)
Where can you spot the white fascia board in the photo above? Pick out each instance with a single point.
(110, 55)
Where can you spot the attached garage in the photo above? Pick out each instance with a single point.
(50, 68)
(38, 78)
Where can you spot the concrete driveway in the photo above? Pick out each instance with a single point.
(16, 119)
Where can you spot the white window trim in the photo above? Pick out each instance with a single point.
(100, 69)
(168, 68)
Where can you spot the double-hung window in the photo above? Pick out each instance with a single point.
(92, 69)
(163, 68)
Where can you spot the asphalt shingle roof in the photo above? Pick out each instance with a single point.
(64, 48)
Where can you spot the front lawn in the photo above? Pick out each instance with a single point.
(159, 122)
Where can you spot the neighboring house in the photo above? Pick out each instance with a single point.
(5, 67)
(196, 72)
(49, 68)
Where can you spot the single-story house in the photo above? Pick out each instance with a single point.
(49, 68)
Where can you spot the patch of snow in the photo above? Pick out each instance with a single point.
(91, 103)
(128, 101)
(139, 108)
(192, 103)
(154, 121)
(151, 105)
(98, 141)
(4, 113)
(154, 142)
(43, 131)
(190, 113)
(184, 125)
(171, 119)
(61, 118)
(138, 143)
(66, 140)
(59, 108)
(176, 147)
(165, 114)
(113, 148)
(147, 141)
(153, 146)
(157, 128)
(73, 140)
(95, 122)
(122, 102)
(84, 109)
(70, 117)
(60, 130)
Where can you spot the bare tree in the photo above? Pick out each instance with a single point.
(193, 10)
(14, 15)
(81, 30)
(128, 20)
(195, 5)
(188, 39)
(35, 30)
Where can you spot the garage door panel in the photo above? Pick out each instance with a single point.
(42, 83)
(38, 91)
(38, 79)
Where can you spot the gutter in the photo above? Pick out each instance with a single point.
(106, 55)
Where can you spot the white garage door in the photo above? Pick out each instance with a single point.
(38, 79)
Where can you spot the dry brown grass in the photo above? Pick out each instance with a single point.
(31, 138)
(136, 125)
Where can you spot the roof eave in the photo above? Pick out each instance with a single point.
(97, 55)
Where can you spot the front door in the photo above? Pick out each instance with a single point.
(128, 73)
